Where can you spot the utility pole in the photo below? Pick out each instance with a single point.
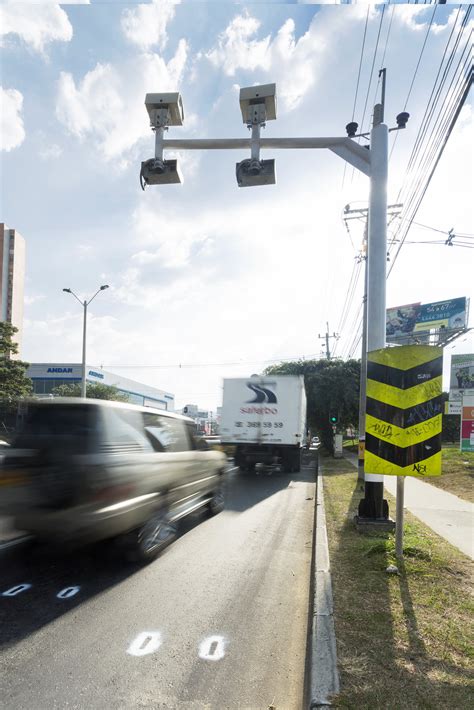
(363, 213)
(326, 337)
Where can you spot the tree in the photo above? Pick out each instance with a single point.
(93, 391)
(332, 386)
(14, 383)
(451, 424)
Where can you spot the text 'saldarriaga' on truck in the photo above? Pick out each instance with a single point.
(265, 419)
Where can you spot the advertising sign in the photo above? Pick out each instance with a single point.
(403, 322)
(442, 314)
(467, 423)
(462, 373)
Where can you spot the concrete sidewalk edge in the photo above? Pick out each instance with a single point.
(324, 676)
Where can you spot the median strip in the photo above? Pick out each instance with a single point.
(404, 640)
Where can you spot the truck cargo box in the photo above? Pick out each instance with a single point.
(264, 410)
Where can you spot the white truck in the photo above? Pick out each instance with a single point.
(264, 417)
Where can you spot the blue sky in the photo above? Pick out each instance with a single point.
(206, 272)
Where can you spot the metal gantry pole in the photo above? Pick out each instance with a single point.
(376, 280)
(363, 374)
(84, 333)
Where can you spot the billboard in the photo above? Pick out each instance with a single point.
(467, 423)
(403, 323)
(462, 372)
(442, 314)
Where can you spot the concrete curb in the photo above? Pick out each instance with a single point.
(324, 677)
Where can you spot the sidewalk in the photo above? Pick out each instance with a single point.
(446, 514)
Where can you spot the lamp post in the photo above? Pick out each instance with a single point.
(84, 305)
(258, 105)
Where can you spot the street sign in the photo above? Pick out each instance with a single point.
(404, 411)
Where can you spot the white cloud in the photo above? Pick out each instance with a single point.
(50, 152)
(296, 65)
(146, 25)
(237, 48)
(108, 103)
(175, 242)
(417, 18)
(37, 26)
(12, 132)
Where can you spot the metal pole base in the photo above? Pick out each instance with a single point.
(373, 509)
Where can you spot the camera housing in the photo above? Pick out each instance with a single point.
(251, 172)
(172, 102)
(254, 95)
(402, 119)
(160, 172)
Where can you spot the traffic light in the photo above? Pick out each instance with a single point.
(333, 418)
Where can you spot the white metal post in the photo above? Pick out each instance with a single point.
(377, 265)
(159, 134)
(399, 525)
(83, 381)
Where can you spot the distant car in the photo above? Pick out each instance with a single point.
(88, 470)
(315, 442)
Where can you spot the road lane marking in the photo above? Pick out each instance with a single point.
(67, 592)
(146, 642)
(17, 589)
(212, 648)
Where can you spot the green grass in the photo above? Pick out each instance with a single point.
(404, 641)
(457, 473)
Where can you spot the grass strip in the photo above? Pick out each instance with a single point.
(404, 641)
(457, 473)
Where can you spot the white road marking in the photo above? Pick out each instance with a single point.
(68, 592)
(17, 589)
(145, 643)
(212, 648)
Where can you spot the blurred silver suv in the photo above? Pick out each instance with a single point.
(87, 470)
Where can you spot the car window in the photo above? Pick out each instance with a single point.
(166, 433)
(125, 430)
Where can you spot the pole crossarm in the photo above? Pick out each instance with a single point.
(345, 148)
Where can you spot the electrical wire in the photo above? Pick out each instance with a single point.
(415, 74)
(435, 130)
(182, 366)
(370, 78)
(465, 91)
(357, 85)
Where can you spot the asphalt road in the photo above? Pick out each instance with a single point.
(218, 621)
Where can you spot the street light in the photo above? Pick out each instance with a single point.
(84, 304)
(258, 104)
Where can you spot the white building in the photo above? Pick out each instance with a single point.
(12, 280)
(46, 376)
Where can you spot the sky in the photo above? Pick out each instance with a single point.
(209, 280)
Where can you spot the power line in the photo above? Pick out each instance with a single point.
(460, 104)
(370, 78)
(358, 80)
(415, 74)
(182, 366)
